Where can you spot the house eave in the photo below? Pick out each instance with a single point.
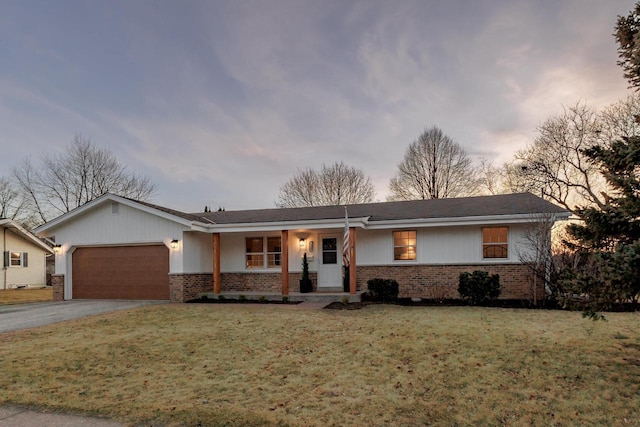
(287, 225)
(17, 229)
(102, 199)
(462, 221)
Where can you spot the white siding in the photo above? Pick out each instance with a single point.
(34, 275)
(437, 245)
(198, 252)
(100, 226)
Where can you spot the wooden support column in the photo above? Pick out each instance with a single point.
(284, 261)
(352, 261)
(216, 263)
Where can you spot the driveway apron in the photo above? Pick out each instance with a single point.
(24, 316)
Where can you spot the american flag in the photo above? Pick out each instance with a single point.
(346, 244)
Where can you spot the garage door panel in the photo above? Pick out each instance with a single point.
(124, 272)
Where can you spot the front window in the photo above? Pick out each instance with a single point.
(495, 242)
(404, 245)
(263, 252)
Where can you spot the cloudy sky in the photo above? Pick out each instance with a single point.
(220, 102)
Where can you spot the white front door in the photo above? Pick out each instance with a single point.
(330, 262)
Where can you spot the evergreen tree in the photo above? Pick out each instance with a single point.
(609, 237)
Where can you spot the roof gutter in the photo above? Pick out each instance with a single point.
(288, 225)
(467, 220)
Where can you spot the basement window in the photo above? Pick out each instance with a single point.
(495, 242)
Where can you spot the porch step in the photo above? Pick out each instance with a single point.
(323, 297)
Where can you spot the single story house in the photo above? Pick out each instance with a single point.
(117, 248)
(24, 257)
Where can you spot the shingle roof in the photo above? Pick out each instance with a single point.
(187, 216)
(505, 204)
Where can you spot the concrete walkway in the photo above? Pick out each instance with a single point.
(12, 416)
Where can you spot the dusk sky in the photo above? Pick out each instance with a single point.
(220, 102)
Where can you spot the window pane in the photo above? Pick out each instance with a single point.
(404, 245)
(494, 234)
(273, 260)
(494, 251)
(254, 244)
(330, 244)
(273, 244)
(15, 259)
(330, 257)
(255, 261)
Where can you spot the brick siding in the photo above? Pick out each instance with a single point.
(422, 281)
(57, 281)
(261, 282)
(441, 281)
(185, 287)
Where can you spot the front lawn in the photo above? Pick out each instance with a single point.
(257, 365)
(21, 296)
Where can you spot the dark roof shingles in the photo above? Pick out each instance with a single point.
(505, 204)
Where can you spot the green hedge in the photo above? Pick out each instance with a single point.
(479, 287)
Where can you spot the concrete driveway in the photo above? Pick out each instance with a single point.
(23, 316)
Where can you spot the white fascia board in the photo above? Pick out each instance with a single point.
(102, 199)
(473, 220)
(17, 229)
(287, 225)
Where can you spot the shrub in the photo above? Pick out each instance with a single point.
(478, 287)
(242, 298)
(383, 290)
(262, 298)
(221, 298)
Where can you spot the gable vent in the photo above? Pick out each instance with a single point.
(115, 208)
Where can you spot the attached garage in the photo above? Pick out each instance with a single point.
(121, 272)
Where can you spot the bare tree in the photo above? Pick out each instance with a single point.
(12, 203)
(535, 252)
(555, 164)
(434, 167)
(337, 184)
(74, 177)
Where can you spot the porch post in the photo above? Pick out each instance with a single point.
(216, 263)
(352, 261)
(284, 261)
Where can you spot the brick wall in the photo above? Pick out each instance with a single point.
(247, 282)
(294, 281)
(57, 281)
(441, 281)
(185, 287)
(262, 282)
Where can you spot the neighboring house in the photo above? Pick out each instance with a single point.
(24, 257)
(117, 248)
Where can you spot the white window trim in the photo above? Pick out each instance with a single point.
(21, 259)
(482, 244)
(393, 248)
(265, 254)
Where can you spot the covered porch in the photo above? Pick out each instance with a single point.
(328, 250)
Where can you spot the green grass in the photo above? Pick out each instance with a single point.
(22, 296)
(260, 365)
